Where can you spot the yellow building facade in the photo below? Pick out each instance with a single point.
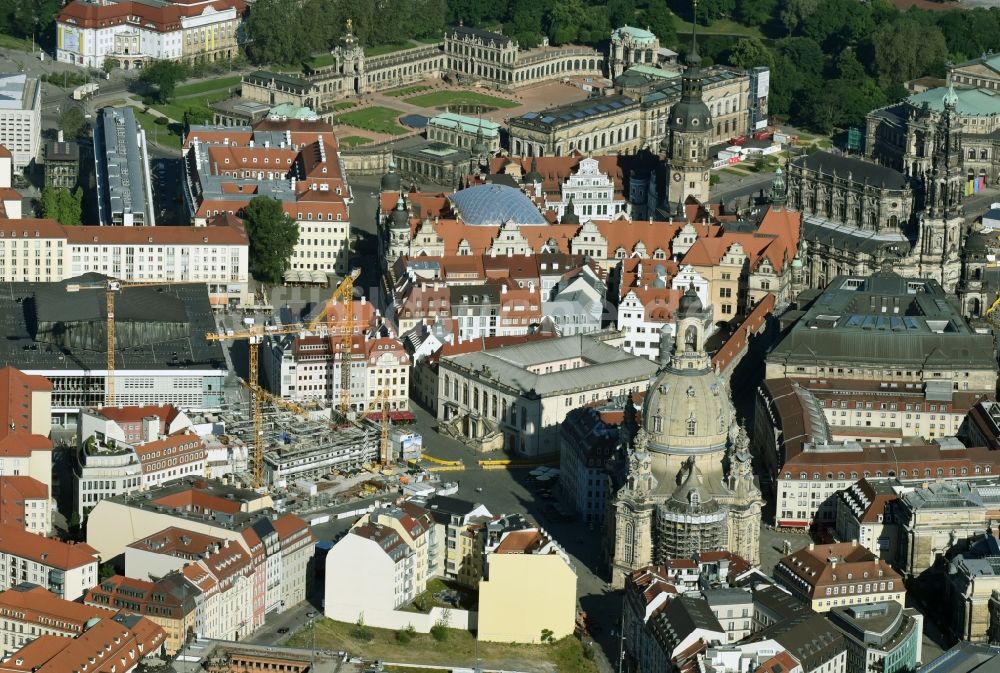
(524, 595)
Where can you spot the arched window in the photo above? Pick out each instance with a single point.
(692, 426)
(628, 543)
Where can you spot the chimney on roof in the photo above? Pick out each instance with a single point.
(812, 546)
(854, 543)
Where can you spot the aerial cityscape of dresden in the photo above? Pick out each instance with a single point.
(510, 336)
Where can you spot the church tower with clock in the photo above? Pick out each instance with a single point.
(689, 131)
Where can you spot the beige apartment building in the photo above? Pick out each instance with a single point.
(972, 591)
(825, 576)
(43, 251)
(937, 516)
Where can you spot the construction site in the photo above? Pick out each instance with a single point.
(300, 444)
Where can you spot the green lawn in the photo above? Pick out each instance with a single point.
(407, 90)
(222, 83)
(11, 42)
(161, 135)
(459, 98)
(175, 110)
(345, 105)
(567, 655)
(320, 61)
(376, 119)
(386, 48)
(718, 27)
(286, 68)
(354, 141)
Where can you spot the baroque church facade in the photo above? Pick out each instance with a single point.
(683, 482)
(859, 216)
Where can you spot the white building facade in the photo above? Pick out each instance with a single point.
(20, 118)
(132, 33)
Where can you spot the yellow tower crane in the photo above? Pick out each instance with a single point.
(111, 287)
(344, 293)
(254, 336)
(279, 402)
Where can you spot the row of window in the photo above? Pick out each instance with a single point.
(915, 473)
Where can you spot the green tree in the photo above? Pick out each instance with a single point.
(164, 75)
(749, 52)
(896, 57)
(72, 122)
(547, 636)
(108, 65)
(565, 21)
(621, 12)
(269, 45)
(755, 12)
(105, 571)
(661, 22)
(710, 10)
(62, 205)
(273, 235)
(837, 24)
(794, 12)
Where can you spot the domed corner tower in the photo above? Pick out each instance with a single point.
(689, 133)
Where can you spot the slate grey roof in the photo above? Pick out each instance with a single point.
(808, 637)
(123, 170)
(847, 237)
(572, 113)
(53, 303)
(873, 623)
(680, 618)
(885, 318)
(19, 349)
(966, 657)
(488, 37)
(606, 365)
(444, 504)
(860, 169)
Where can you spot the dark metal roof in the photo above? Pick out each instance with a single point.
(18, 323)
(456, 506)
(487, 36)
(53, 303)
(859, 169)
(62, 151)
(885, 318)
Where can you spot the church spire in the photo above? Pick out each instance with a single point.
(693, 59)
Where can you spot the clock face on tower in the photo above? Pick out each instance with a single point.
(677, 177)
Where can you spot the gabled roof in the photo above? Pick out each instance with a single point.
(15, 541)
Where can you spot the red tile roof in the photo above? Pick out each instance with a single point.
(16, 390)
(288, 526)
(100, 649)
(54, 553)
(198, 502)
(39, 606)
(180, 235)
(174, 541)
(165, 18)
(521, 542)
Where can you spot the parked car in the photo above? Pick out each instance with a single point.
(283, 630)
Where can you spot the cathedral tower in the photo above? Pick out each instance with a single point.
(689, 131)
(940, 224)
